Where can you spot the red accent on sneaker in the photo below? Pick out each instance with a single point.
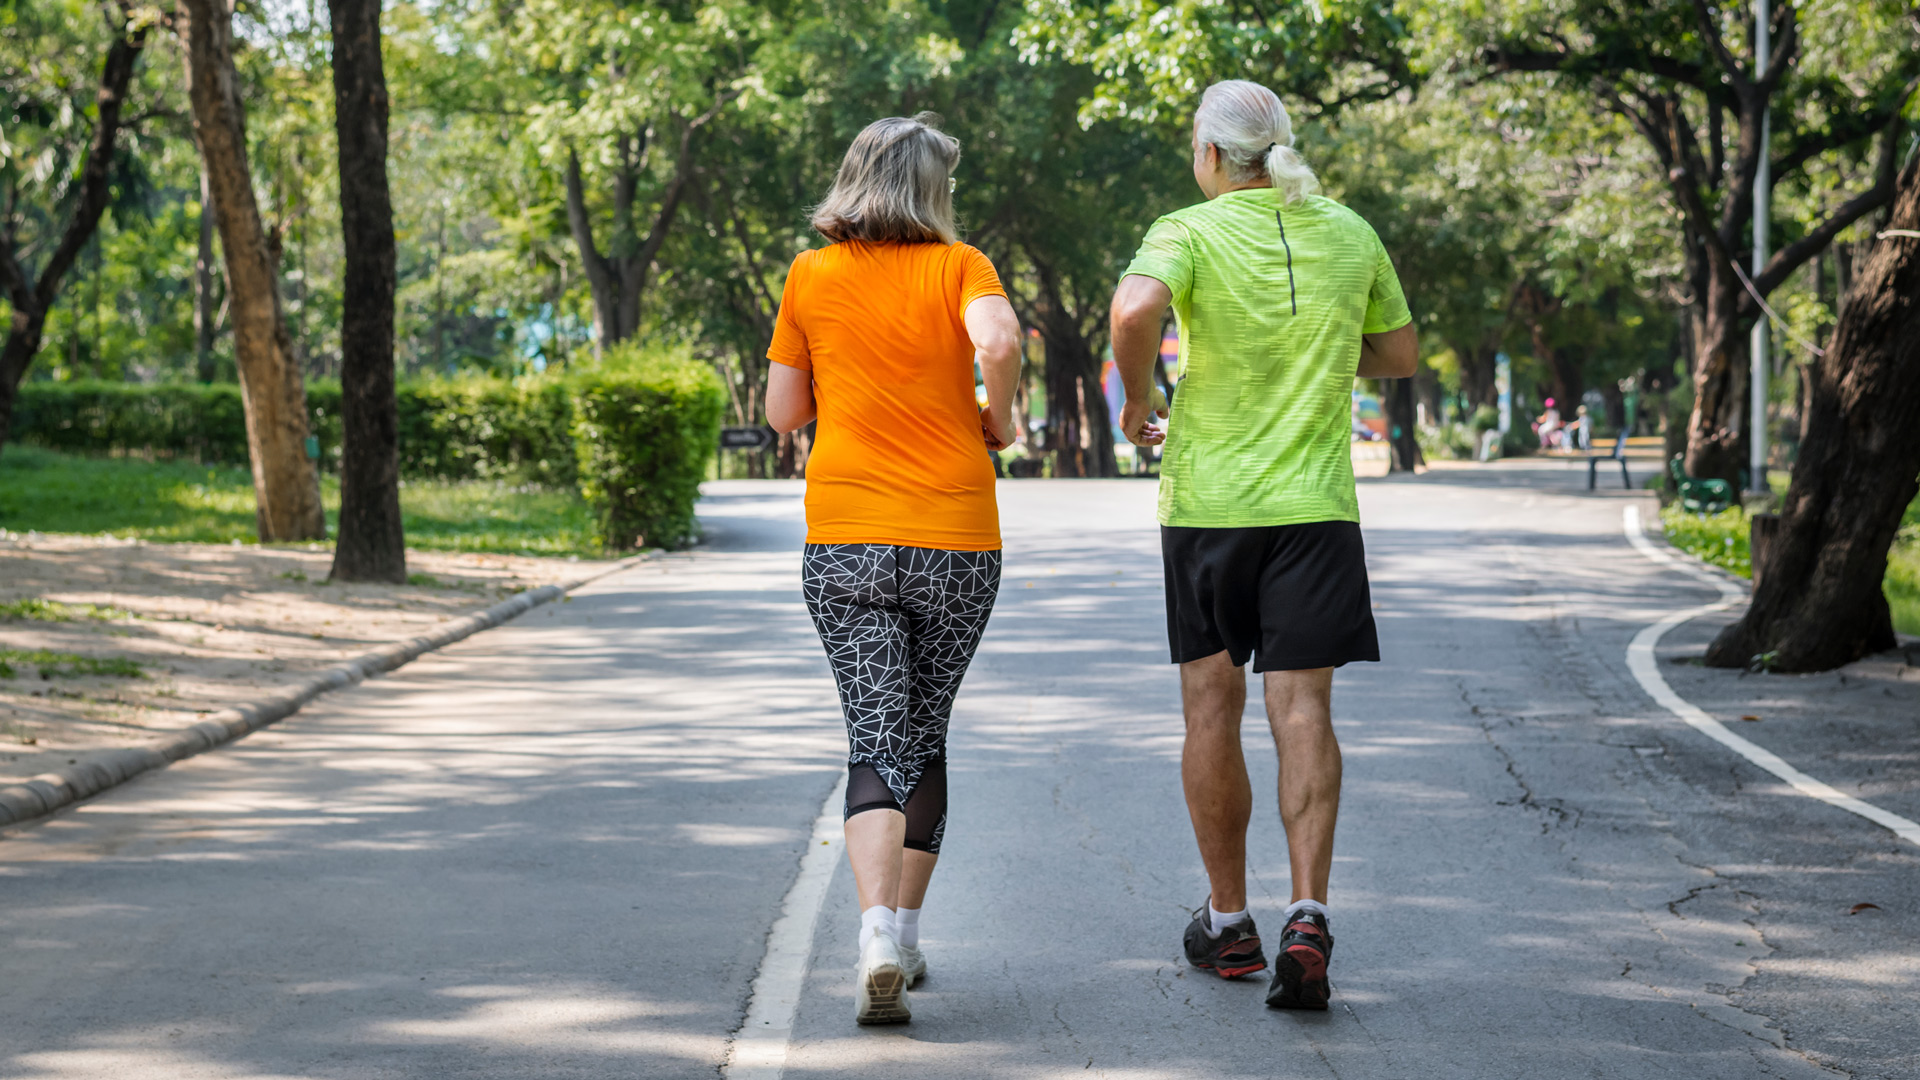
(1313, 963)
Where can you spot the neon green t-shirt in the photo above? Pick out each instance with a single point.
(1262, 418)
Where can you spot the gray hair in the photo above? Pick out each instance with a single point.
(1249, 126)
(893, 185)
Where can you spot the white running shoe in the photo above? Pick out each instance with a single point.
(914, 963)
(881, 997)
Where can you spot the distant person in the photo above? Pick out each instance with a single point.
(1582, 429)
(1283, 299)
(877, 337)
(1547, 426)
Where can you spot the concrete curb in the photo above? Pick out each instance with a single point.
(102, 769)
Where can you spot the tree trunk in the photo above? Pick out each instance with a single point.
(32, 298)
(1064, 418)
(371, 545)
(203, 311)
(1717, 428)
(1476, 373)
(1819, 602)
(1400, 435)
(286, 486)
(618, 278)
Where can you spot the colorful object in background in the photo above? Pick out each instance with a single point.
(1369, 419)
(1115, 393)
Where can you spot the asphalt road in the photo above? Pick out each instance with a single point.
(555, 849)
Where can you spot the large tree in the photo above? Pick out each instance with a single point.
(1132, 74)
(1686, 75)
(32, 294)
(286, 483)
(371, 545)
(625, 95)
(1819, 602)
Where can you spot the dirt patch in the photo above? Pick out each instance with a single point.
(209, 627)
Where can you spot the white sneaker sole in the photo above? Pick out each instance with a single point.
(882, 996)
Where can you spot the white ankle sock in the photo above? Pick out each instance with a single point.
(874, 920)
(906, 926)
(1299, 906)
(1218, 921)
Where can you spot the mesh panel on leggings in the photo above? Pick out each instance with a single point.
(866, 791)
(926, 808)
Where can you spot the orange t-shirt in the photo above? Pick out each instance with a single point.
(898, 457)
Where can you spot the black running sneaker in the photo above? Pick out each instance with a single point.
(1300, 970)
(1234, 953)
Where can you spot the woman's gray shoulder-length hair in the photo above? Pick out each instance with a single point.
(894, 185)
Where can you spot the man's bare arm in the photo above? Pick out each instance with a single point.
(1139, 305)
(1392, 355)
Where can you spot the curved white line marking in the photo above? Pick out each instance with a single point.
(1640, 661)
(759, 1049)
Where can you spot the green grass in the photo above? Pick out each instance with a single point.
(55, 664)
(35, 609)
(175, 501)
(1721, 539)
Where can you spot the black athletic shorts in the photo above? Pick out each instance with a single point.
(1294, 596)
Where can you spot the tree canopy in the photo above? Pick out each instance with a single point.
(1563, 181)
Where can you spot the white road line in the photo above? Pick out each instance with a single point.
(759, 1049)
(1640, 661)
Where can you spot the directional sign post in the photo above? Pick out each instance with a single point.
(747, 438)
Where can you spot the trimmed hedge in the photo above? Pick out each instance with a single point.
(636, 433)
(473, 428)
(645, 428)
(207, 423)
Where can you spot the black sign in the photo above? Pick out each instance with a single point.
(746, 438)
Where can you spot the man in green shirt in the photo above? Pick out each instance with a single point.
(1283, 299)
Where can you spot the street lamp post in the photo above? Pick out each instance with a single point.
(1762, 205)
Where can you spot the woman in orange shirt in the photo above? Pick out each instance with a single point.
(877, 338)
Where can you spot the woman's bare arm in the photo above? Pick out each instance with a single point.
(790, 404)
(995, 333)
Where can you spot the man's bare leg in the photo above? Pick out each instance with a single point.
(1213, 694)
(1300, 711)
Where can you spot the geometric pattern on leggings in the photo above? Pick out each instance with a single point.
(900, 626)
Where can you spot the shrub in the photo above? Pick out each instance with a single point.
(645, 428)
(1454, 441)
(483, 428)
(207, 423)
(471, 428)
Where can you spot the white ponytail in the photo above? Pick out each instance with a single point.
(1254, 135)
(1291, 175)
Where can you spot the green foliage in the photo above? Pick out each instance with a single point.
(1903, 572)
(466, 428)
(1152, 57)
(34, 609)
(52, 665)
(646, 426)
(1444, 441)
(201, 422)
(484, 428)
(1722, 539)
(180, 501)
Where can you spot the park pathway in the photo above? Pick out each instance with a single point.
(554, 850)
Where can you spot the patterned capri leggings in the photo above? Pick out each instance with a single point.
(900, 625)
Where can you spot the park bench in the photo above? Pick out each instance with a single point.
(1700, 496)
(1619, 454)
